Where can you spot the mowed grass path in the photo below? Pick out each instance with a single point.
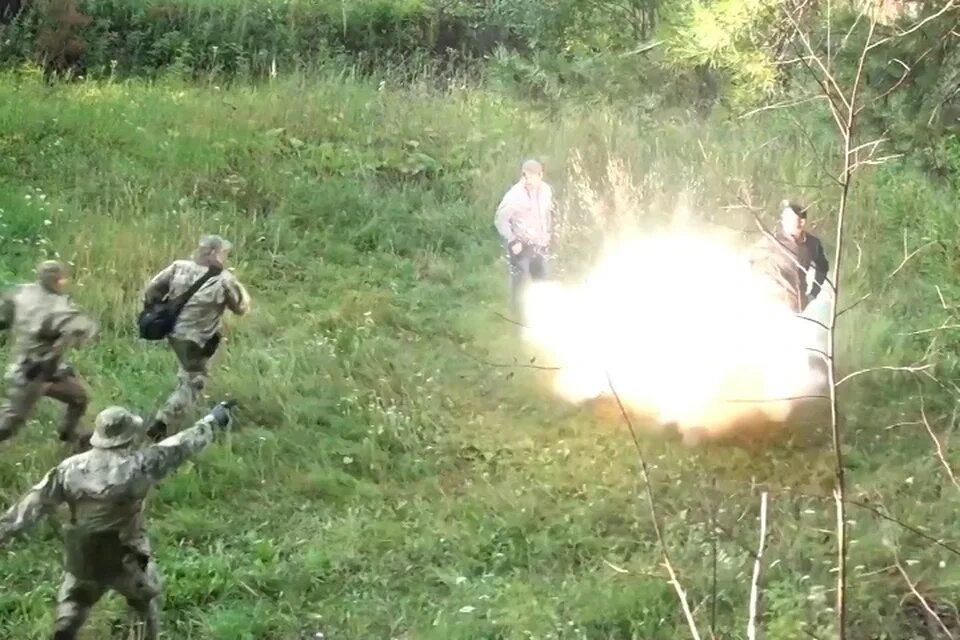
(383, 481)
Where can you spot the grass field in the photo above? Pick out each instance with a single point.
(384, 480)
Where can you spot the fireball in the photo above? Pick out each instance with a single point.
(681, 328)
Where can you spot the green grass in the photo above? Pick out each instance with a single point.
(383, 482)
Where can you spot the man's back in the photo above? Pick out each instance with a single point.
(105, 490)
(201, 316)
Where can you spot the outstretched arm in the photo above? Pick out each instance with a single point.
(166, 456)
(159, 286)
(40, 501)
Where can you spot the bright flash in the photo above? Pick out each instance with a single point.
(682, 329)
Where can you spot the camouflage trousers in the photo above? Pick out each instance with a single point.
(24, 393)
(191, 380)
(89, 576)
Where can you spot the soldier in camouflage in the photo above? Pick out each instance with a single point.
(43, 324)
(106, 545)
(196, 336)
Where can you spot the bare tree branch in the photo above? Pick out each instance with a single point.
(943, 327)
(943, 303)
(906, 258)
(755, 584)
(874, 162)
(909, 423)
(846, 131)
(713, 540)
(853, 27)
(782, 105)
(861, 372)
(854, 305)
(681, 594)
(936, 442)
(947, 7)
(813, 57)
(873, 144)
(922, 600)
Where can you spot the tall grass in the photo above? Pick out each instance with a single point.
(243, 38)
(382, 481)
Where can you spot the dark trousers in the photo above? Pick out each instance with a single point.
(529, 264)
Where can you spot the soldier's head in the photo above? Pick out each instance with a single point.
(793, 219)
(115, 427)
(212, 251)
(532, 173)
(52, 276)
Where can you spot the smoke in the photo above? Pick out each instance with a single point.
(686, 331)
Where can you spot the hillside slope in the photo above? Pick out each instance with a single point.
(385, 480)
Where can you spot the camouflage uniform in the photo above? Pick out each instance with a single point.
(106, 545)
(44, 324)
(197, 333)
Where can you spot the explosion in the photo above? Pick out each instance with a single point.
(682, 329)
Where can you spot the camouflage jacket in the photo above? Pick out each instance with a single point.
(105, 489)
(201, 317)
(43, 324)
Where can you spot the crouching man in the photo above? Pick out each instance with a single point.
(105, 545)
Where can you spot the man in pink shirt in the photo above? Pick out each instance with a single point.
(524, 221)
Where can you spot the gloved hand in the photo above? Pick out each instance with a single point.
(221, 412)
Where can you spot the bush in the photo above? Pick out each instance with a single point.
(230, 37)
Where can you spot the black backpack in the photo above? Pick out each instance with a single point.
(157, 320)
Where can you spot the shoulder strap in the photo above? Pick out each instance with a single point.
(202, 280)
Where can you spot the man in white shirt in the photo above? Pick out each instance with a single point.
(524, 221)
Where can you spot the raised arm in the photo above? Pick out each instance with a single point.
(166, 456)
(159, 286)
(40, 501)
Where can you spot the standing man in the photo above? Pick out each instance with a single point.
(196, 335)
(44, 325)
(793, 259)
(524, 220)
(106, 544)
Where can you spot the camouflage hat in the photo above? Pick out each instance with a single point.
(49, 271)
(115, 427)
(213, 243)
